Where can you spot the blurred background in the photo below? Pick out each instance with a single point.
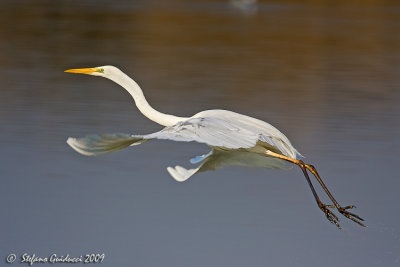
(325, 73)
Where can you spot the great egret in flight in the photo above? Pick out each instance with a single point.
(235, 139)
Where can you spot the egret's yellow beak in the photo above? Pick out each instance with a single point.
(84, 71)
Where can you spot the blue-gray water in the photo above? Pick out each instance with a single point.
(328, 76)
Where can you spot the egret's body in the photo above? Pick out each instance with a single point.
(235, 139)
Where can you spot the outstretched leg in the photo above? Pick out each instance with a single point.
(325, 208)
(331, 216)
(343, 210)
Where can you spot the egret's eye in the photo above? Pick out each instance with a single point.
(101, 70)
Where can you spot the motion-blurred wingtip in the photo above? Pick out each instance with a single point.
(181, 174)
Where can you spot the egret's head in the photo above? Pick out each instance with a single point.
(104, 71)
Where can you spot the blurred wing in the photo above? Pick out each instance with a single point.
(209, 130)
(225, 133)
(181, 174)
(99, 144)
(217, 159)
(220, 132)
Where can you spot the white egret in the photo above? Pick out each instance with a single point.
(235, 139)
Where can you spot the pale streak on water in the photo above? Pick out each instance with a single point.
(326, 75)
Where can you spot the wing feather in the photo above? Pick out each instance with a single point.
(217, 159)
(99, 144)
(225, 132)
(211, 131)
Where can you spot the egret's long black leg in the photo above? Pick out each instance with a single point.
(323, 207)
(343, 210)
(329, 214)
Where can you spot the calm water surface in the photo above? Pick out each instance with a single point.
(327, 75)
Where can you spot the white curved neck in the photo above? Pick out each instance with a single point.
(133, 88)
